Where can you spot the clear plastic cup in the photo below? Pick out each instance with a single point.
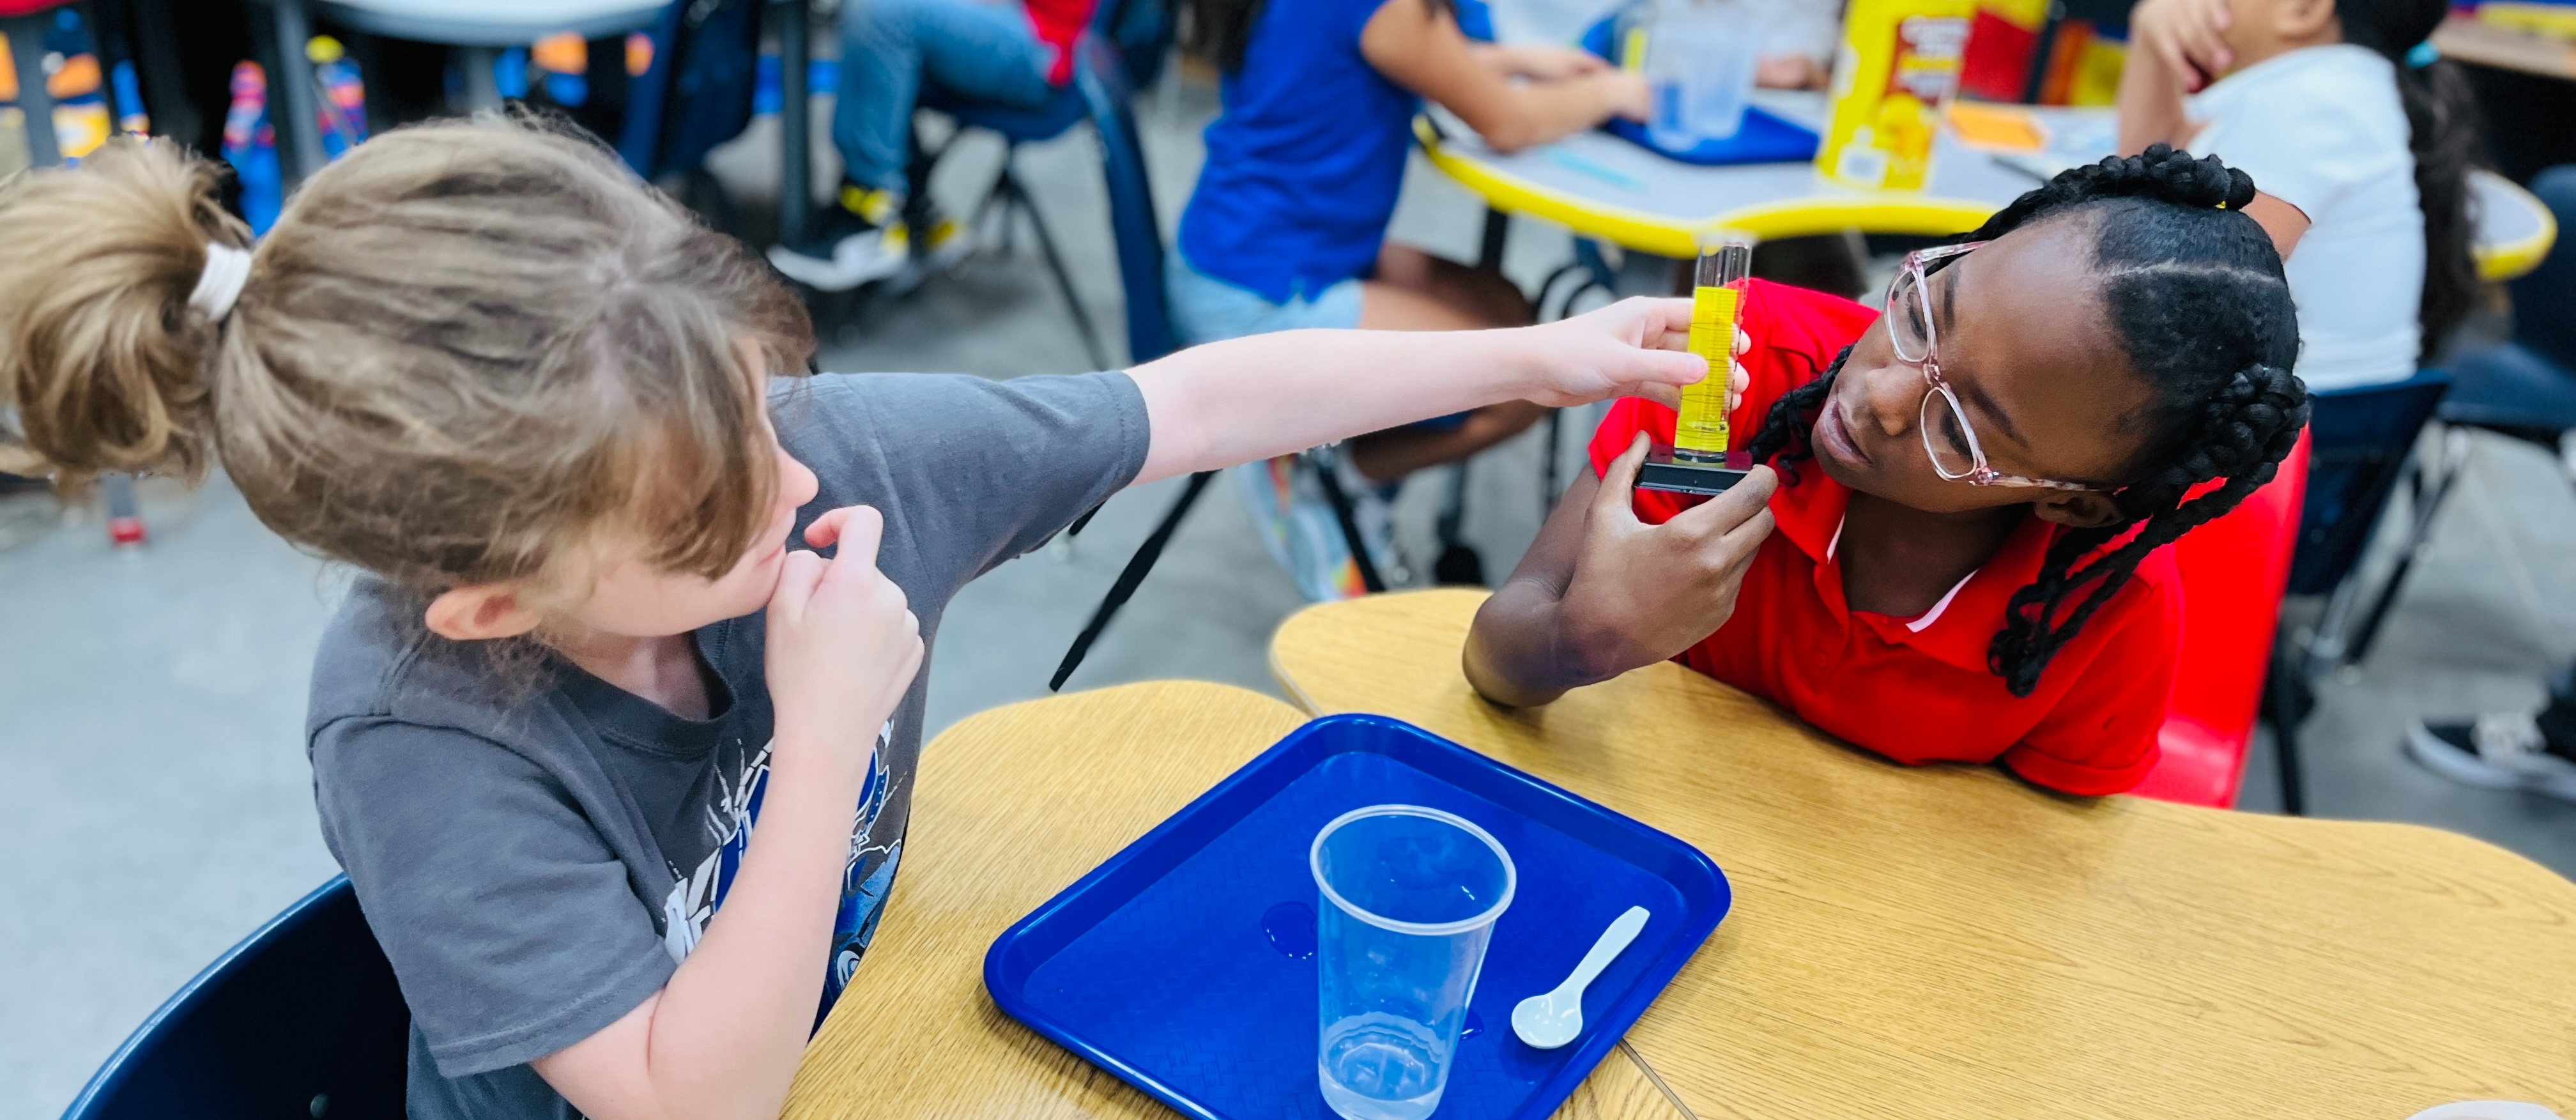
(1409, 901)
(1700, 63)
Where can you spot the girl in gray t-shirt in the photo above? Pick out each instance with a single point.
(552, 419)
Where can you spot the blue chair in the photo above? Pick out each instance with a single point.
(2362, 446)
(1103, 93)
(302, 1019)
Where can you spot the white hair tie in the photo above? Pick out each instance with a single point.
(227, 269)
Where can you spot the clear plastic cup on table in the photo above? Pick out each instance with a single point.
(1410, 896)
(1700, 61)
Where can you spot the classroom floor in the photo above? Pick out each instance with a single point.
(154, 700)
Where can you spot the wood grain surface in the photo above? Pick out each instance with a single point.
(1013, 805)
(1947, 942)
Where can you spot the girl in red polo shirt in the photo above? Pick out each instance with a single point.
(1972, 491)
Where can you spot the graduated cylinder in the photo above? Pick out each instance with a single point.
(1701, 434)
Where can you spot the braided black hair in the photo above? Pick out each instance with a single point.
(2195, 296)
(2442, 132)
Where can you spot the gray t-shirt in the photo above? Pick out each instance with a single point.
(536, 849)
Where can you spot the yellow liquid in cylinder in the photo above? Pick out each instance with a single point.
(1701, 433)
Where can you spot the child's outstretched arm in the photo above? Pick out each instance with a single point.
(724, 1035)
(1249, 398)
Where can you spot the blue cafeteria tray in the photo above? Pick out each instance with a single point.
(1185, 964)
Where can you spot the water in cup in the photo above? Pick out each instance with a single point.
(1700, 59)
(1380, 1067)
(1409, 899)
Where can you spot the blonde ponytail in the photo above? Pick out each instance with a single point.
(464, 347)
(102, 360)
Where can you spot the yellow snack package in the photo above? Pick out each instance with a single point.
(1900, 62)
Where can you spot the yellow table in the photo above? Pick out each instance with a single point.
(1604, 187)
(1012, 805)
(1948, 943)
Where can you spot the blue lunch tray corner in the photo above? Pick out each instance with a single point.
(1185, 963)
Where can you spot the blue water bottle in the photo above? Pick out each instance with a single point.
(343, 104)
(250, 145)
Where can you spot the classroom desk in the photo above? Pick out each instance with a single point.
(2470, 40)
(1602, 186)
(1013, 804)
(1946, 942)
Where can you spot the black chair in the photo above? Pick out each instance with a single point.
(1102, 91)
(302, 1019)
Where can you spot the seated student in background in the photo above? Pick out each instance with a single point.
(2336, 108)
(1973, 495)
(1287, 227)
(553, 420)
(1009, 52)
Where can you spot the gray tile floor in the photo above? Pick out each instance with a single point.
(151, 704)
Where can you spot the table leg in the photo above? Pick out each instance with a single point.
(291, 93)
(482, 88)
(795, 126)
(165, 84)
(27, 52)
(1498, 230)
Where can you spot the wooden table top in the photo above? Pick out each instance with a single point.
(1948, 942)
(1014, 804)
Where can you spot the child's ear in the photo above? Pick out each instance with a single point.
(480, 612)
(2077, 509)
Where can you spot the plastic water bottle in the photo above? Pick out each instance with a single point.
(343, 104)
(78, 86)
(250, 145)
(129, 97)
(564, 59)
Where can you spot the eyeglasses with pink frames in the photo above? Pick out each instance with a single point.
(1947, 436)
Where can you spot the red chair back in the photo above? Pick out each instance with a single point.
(28, 7)
(2233, 571)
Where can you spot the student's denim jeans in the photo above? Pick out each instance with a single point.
(973, 48)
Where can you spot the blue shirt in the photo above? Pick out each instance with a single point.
(1303, 167)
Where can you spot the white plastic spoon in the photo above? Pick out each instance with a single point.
(1552, 1019)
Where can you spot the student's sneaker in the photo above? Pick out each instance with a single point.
(2499, 751)
(944, 241)
(1296, 522)
(857, 241)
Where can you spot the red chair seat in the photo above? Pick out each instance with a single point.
(2233, 571)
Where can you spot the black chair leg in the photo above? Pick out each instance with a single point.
(1063, 279)
(1129, 579)
(1548, 482)
(2428, 507)
(1345, 515)
(1458, 565)
(2286, 718)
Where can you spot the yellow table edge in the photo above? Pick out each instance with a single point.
(2514, 258)
(1907, 212)
(1885, 212)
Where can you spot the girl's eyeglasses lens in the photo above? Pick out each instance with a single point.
(1906, 327)
(1945, 436)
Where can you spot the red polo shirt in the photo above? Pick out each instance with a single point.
(1916, 690)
